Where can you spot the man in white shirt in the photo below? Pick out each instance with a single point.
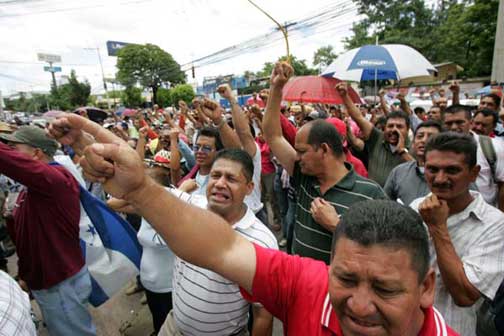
(457, 118)
(203, 301)
(467, 234)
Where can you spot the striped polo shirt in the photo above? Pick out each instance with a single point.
(205, 303)
(310, 238)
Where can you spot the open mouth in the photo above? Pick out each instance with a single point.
(220, 197)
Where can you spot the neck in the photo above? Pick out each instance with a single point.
(236, 215)
(332, 173)
(420, 161)
(204, 170)
(459, 203)
(418, 322)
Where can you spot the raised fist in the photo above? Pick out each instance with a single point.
(342, 89)
(225, 91)
(281, 74)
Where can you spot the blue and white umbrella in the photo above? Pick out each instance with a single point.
(387, 61)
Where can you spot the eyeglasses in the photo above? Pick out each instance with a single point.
(205, 149)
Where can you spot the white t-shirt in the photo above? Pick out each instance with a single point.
(253, 200)
(485, 182)
(156, 265)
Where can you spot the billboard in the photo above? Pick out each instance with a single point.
(114, 46)
(49, 58)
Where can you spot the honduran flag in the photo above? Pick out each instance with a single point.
(109, 244)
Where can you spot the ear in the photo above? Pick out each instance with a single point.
(325, 148)
(475, 172)
(427, 289)
(250, 187)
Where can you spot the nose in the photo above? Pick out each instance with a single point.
(440, 177)
(220, 182)
(360, 304)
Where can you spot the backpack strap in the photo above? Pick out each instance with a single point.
(489, 152)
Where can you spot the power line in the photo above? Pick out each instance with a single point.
(322, 18)
(42, 63)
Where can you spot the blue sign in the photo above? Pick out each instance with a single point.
(114, 46)
(52, 69)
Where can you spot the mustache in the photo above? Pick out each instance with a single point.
(442, 185)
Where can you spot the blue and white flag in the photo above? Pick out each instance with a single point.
(109, 244)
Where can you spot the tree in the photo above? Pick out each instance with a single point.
(324, 56)
(164, 98)
(148, 65)
(132, 97)
(71, 95)
(183, 92)
(300, 67)
(459, 31)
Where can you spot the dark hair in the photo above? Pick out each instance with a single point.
(419, 109)
(386, 223)
(323, 132)
(456, 143)
(460, 108)
(429, 123)
(240, 156)
(496, 98)
(399, 115)
(488, 113)
(212, 133)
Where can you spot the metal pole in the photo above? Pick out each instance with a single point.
(53, 76)
(498, 56)
(375, 78)
(103, 77)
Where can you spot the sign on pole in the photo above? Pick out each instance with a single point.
(49, 58)
(52, 69)
(114, 46)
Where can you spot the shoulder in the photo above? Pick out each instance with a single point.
(258, 233)
(368, 187)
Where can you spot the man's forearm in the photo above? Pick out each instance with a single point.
(196, 235)
(242, 128)
(263, 322)
(452, 271)
(365, 126)
(271, 119)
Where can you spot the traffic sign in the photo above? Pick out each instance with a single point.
(52, 69)
(114, 46)
(49, 58)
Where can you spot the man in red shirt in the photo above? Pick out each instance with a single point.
(378, 283)
(45, 230)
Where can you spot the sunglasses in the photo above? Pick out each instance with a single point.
(205, 149)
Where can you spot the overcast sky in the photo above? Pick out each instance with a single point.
(187, 29)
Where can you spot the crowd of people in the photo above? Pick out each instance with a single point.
(336, 219)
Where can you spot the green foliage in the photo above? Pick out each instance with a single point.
(458, 31)
(71, 95)
(324, 56)
(37, 103)
(300, 67)
(164, 98)
(132, 97)
(147, 65)
(183, 92)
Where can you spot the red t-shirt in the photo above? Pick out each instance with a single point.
(356, 163)
(267, 166)
(45, 228)
(295, 290)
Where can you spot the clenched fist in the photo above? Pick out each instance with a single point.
(281, 74)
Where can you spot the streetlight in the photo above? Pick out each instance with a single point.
(103, 75)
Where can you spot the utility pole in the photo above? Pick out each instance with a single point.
(103, 75)
(498, 57)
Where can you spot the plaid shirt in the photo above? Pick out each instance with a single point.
(15, 317)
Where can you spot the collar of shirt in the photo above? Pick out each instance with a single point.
(329, 319)
(347, 182)
(419, 170)
(246, 221)
(476, 208)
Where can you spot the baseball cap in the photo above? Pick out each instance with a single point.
(33, 136)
